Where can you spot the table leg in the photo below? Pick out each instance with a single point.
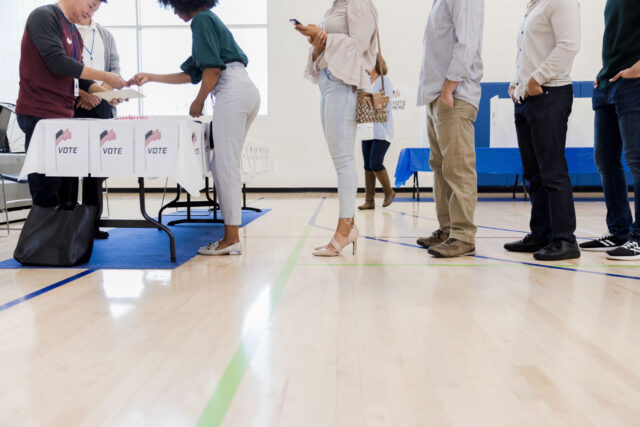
(244, 200)
(172, 240)
(171, 203)
(147, 222)
(413, 187)
(189, 204)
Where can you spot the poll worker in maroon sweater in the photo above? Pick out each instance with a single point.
(51, 74)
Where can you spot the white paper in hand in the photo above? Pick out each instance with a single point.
(119, 94)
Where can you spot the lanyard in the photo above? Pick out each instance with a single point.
(93, 43)
(73, 33)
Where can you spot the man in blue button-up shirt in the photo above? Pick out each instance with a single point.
(450, 90)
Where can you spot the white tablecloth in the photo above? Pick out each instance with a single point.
(120, 148)
(146, 148)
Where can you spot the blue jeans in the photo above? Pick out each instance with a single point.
(617, 128)
(373, 152)
(338, 116)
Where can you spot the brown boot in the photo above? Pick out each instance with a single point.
(369, 190)
(389, 194)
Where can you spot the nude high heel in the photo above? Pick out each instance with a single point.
(326, 251)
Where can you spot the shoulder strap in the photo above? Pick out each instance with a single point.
(380, 54)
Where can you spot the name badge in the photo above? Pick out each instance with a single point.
(76, 87)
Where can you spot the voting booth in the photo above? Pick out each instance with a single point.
(121, 148)
(144, 148)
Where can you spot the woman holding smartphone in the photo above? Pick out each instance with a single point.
(220, 65)
(343, 49)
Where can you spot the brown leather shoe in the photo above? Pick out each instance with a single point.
(452, 248)
(436, 238)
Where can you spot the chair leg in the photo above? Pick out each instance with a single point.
(6, 208)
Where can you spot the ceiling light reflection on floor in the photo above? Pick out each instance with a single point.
(119, 309)
(123, 283)
(160, 277)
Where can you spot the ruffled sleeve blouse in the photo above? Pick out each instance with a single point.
(351, 47)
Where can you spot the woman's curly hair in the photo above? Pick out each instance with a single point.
(188, 6)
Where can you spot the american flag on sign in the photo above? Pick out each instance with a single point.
(107, 136)
(151, 136)
(62, 135)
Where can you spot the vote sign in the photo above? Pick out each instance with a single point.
(111, 151)
(194, 132)
(66, 148)
(156, 143)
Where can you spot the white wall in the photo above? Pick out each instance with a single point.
(292, 128)
(11, 29)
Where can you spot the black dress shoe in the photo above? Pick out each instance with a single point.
(558, 250)
(528, 244)
(101, 235)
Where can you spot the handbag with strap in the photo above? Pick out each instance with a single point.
(56, 236)
(372, 107)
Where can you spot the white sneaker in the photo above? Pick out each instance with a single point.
(212, 249)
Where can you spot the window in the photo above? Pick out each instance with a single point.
(153, 39)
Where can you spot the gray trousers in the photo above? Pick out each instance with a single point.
(237, 102)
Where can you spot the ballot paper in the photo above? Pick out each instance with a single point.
(119, 94)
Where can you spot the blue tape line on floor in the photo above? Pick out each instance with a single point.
(45, 290)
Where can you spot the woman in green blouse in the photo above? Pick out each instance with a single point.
(219, 65)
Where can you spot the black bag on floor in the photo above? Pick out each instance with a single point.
(57, 237)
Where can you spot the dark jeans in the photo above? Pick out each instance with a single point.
(617, 128)
(46, 191)
(541, 126)
(373, 151)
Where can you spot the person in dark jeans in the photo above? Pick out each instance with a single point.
(616, 102)
(375, 148)
(548, 41)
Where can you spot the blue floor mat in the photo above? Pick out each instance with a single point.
(148, 248)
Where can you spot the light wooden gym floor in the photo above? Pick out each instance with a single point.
(277, 337)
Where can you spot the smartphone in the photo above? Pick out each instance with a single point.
(295, 21)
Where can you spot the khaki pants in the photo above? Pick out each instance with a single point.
(453, 161)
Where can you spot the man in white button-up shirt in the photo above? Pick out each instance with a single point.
(548, 41)
(450, 90)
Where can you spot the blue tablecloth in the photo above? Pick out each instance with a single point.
(490, 161)
(411, 160)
